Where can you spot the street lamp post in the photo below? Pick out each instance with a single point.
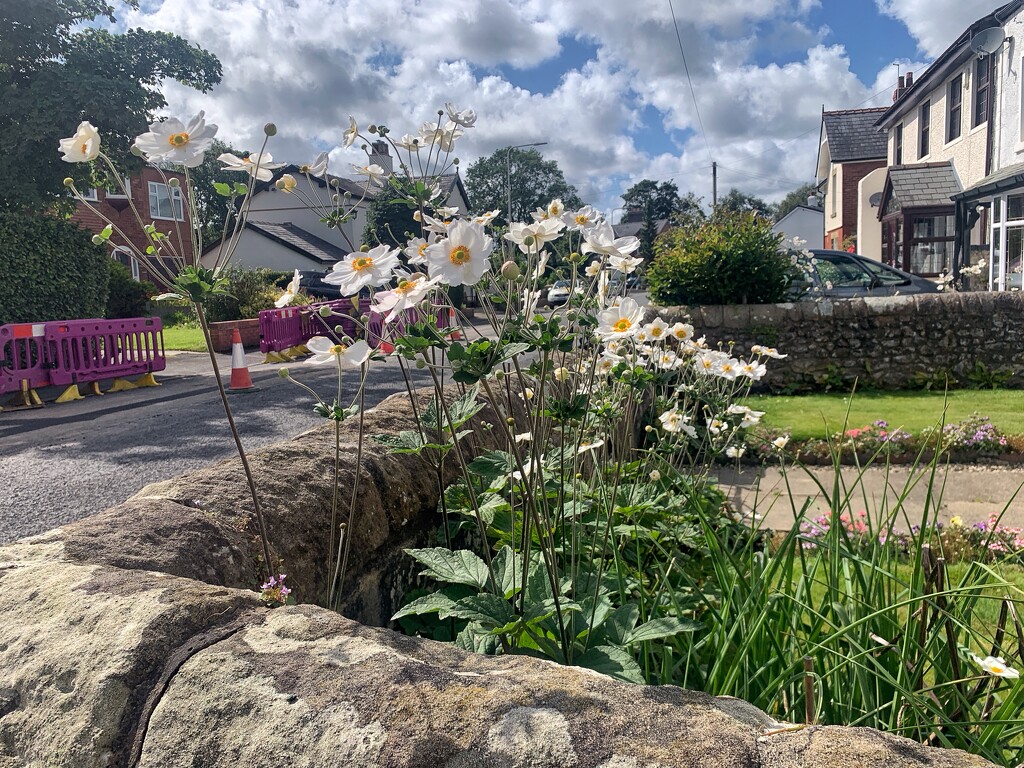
(508, 173)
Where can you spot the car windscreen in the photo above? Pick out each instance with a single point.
(884, 275)
(840, 271)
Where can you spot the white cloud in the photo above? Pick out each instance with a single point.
(935, 24)
(307, 65)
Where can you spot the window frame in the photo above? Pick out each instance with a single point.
(832, 189)
(173, 194)
(897, 145)
(924, 118)
(982, 90)
(955, 87)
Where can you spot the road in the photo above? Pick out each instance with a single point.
(67, 461)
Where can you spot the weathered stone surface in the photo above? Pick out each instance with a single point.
(80, 647)
(884, 342)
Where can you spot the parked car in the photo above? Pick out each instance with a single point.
(842, 275)
(558, 293)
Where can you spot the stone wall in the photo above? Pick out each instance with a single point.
(883, 343)
(134, 639)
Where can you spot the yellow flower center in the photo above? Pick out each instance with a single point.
(581, 219)
(85, 147)
(459, 255)
(656, 331)
(622, 325)
(338, 350)
(362, 262)
(422, 249)
(178, 139)
(405, 286)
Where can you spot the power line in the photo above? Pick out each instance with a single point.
(782, 180)
(693, 94)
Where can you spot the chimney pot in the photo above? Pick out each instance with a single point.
(910, 79)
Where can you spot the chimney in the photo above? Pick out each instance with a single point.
(381, 156)
(901, 86)
(812, 201)
(910, 79)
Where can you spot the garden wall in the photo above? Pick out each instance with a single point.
(886, 343)
(134, 638)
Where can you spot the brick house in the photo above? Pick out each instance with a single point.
(157, 203)
(850, 148)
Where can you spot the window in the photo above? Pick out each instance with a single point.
(982, 80)
(897, 145)
(924, 119)
(931, 248)
(90, 194)
(124, 256)
(833, 192)
(165, 202)
(119, 190)
(954, 106)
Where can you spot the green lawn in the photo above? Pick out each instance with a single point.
(814, 416)
(184, 338)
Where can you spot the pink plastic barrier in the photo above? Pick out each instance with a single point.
(24, 356)
(90, 350)
(382, 335)
(281, 329)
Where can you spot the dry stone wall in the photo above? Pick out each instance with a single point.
(134, 639)
(884, 343)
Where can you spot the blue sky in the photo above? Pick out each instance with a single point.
(601, 82)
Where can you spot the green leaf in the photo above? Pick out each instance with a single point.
(222, 189)
(462, 567)
(427, 604)
(612, 661)
(487, 610)
(406, 441)
(240, 188)
(620, 623)
(476, 639)
(492, 465)
(655, 629)
(508, 571)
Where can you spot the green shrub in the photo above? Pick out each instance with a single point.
(731, 258)
(127, 297)
(251, 290)
(49, 270)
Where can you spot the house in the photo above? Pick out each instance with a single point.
(158, 202)
(802, 225)
(850, 148)
(942, 141)
(284, 231)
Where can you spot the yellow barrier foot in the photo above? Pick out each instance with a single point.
(121, 385)
(26, 398)
(269, 358)
(69, 395)
(147, 380)
(95, 387)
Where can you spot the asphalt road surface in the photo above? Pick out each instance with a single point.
(67, 461)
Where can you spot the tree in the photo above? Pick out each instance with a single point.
(797, 197)
(57, 69)
(739, 202)
(534, 182)
(211, 208)
(654, 200)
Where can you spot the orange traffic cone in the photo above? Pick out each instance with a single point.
(240, 379)
(453, 324)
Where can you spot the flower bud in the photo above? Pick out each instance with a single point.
(511, 421)
(364, 319)
(364, 248)
(283, 373)
(69, 182)
(655, 475)
(270, 129)
(372, 128)
(326, 311)
(455, 161)
(174, 182)
(529, 240)
(339, 330)
(648, 428)
(97, 240)
(510, 270)
(136, 151)
(421, 364)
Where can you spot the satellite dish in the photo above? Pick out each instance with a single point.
(987, 41)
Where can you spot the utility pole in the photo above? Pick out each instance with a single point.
(714, 185)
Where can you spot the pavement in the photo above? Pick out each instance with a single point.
(972, 492)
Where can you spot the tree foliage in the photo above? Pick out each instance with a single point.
(651, 202)
(534, 182)
(57, 68)
(739, 202)
(49, 270)
(797, 197)
(731, 258)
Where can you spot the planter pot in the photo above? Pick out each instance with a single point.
(221, 333)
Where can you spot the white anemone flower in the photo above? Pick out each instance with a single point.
(996, 665)
(624, 264)
(539, 214)
(287, 183)
(677, 421)
(757, 349)
(780, 442)
(290, 290)
(727, 368)
(409, 292)
(621, 321)
(589, 445)
(606, 363)
(556, 208)
(593, 269)
(657, 329)
(734, 452)
(350, 135)
(488, 217)
(363, 269)
(318, 167)
(465, 117)
(682, 331)
(437, 226)
(174, 142)
(347, 356)
(601, 239)
(583, 219)
(531, 238)
(261, 165)
(444, 136)
(374, 172)
(447, 212)
(562, 374)
(84, 146)
(749, 417)
(462, 257)
(753, 371)
(416, 251)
